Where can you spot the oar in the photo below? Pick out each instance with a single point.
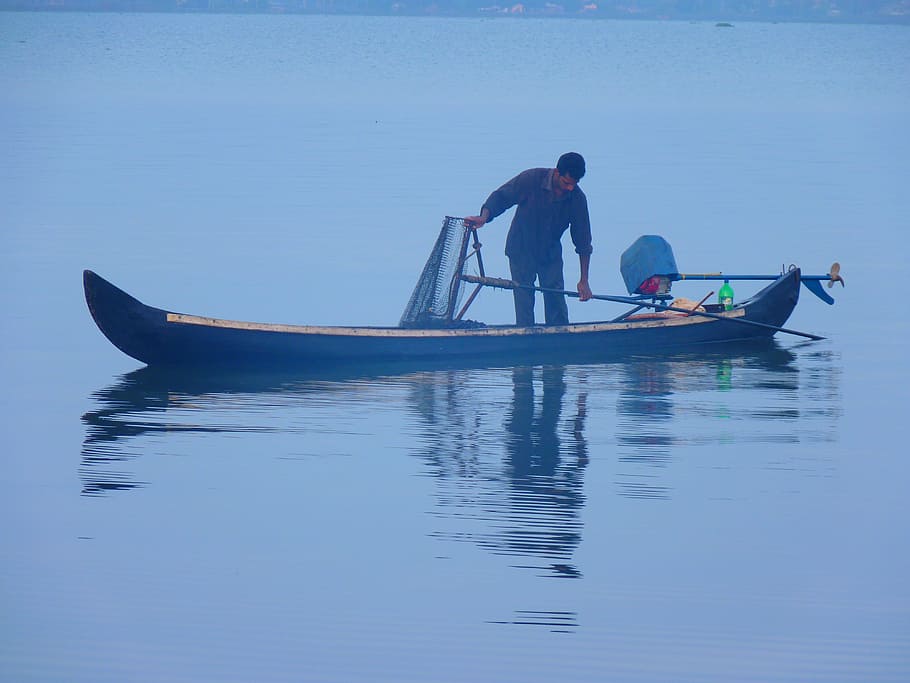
(511, 284)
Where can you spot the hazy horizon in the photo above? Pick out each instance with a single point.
(829, 11)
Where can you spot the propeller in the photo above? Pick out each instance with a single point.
(834, 275)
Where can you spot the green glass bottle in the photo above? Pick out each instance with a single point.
(725, 296)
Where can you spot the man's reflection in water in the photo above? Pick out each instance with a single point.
(510, 483)
(545, 478)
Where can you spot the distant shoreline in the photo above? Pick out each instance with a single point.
(887, 13)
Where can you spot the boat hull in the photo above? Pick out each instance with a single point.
(159, 337)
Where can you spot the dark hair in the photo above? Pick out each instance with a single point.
(573, 164)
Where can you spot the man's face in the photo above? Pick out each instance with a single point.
(564, 183)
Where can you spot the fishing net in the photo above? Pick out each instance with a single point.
(438, 291)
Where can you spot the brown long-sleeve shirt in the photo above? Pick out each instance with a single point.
(541, 218)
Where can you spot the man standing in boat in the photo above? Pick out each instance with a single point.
(549, 202)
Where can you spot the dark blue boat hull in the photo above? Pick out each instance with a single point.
(159, 337)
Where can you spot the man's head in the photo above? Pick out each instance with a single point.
(571, 164)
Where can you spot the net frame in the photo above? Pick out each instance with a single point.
(439, 288)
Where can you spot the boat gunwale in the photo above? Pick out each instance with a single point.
(486, 331)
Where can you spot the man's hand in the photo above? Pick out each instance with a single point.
(475, 221)
(584, 290)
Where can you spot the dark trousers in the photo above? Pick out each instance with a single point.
(549, 273)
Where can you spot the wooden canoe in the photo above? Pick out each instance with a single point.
(160, 337)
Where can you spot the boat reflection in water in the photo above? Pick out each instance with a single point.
(667, 408)
(508, 449)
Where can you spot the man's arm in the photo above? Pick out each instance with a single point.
(584, 290)
(501, 199)
(581, 237)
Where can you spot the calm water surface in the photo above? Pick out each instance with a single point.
(722, 516)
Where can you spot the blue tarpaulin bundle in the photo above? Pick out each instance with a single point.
(649, 256)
